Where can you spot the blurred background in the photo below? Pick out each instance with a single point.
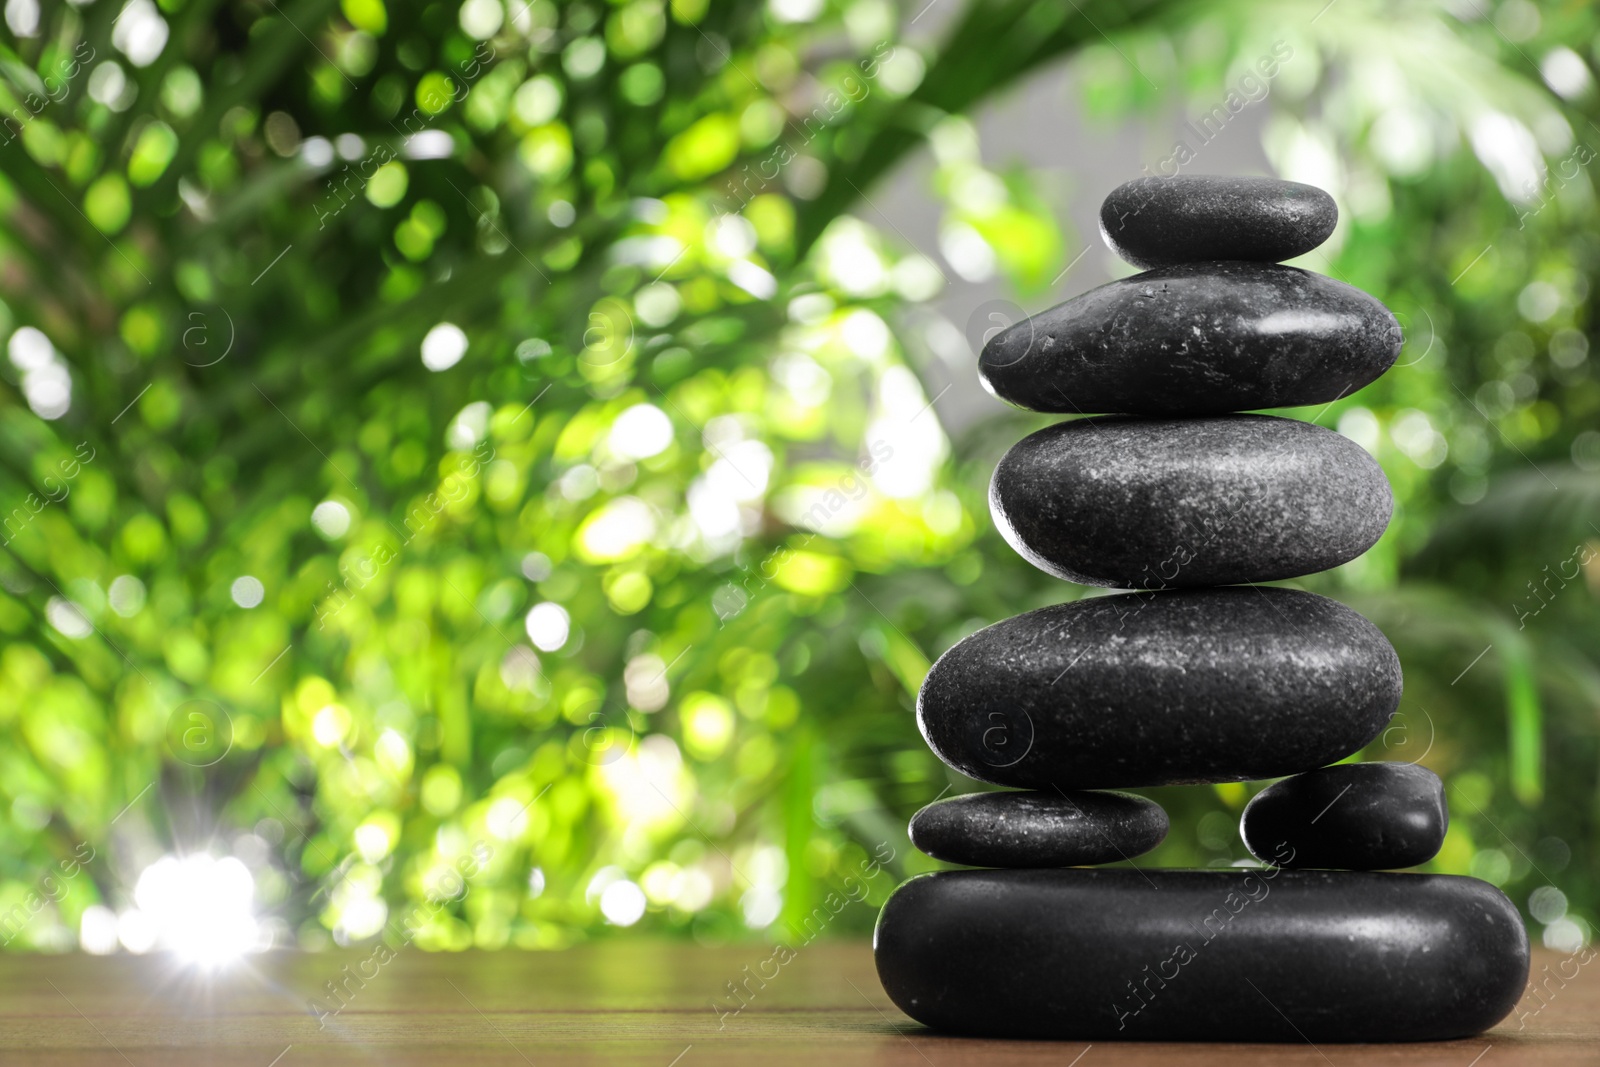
(496, 473)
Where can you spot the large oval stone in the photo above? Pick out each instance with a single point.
(1140, 689)
(1358, 816)
(1197, 339)
(1156, 222)
(1168, 503)
(1039, 829)
(1226, 955)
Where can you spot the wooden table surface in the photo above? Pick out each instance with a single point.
(620, 1002)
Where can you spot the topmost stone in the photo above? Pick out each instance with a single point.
(1160, 222)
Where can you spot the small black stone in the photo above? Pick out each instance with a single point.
(1173, 503)
(1357, 816)
(1222, 955)
(1044, 829)
(1157, 222)
(1198, 339)
(1140, 689)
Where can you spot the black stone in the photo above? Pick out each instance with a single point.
(1170, 503)
(1229, 955)
(1046, 829)
(1139, 689)
(1157, 222)
(1200, 339)
(1358, 816)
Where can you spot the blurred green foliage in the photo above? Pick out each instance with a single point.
(493, 429)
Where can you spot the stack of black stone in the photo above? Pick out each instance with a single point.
(1196, 677)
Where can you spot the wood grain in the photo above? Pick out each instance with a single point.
(621, 1002)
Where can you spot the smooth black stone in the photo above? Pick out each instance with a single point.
(1198, 339)
(1044, 829)
(1157, 222)
(1172, 503)
(1356, 816)
(1227, 955)
(1139, 689)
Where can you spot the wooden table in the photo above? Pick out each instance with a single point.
(621, 1002)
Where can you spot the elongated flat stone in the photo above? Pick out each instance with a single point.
(1156, 222)
(1358, 816)
(1170, 503)
(1138, 689)
(1043, 829)
(1233, 955)
(1197, 339)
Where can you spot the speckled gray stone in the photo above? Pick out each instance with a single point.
(1157, 222)
(1173, 503)
(1357, 816)
(1227, 955)
(1198, 339)
(1138, 689)
(1039, 829)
